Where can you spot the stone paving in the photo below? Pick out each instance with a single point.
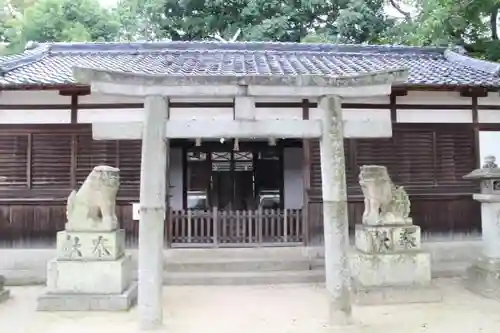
(262, 309)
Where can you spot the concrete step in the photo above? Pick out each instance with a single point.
(449, 269)
(237, 272)
(240, 265)
(243, 278)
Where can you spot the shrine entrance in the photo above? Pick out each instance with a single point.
(219, 177)
(244, 122)
(232, 180)
(234, 197)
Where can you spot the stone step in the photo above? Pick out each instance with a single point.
(241, 265)
(449, 269)
(397, 295)
(439, 270)
(243, 278)
(262, 253)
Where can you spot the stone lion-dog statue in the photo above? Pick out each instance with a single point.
(92, 207)
(383, 200)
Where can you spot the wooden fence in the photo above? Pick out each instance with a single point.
(235, 228)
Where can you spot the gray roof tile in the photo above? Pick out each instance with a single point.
(51, 64)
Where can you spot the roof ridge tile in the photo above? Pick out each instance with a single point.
(56, 48)
(483, 65)
(23, 59)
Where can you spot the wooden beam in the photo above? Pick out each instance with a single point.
(29, 164)
(74, 109)
(75, 91)
(474, 92)
(399, 91)
(475, 131)
(306, 177)
(394, 107)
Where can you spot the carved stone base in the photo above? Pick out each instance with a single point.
(483, 278)
(397, 295)
(89, 277)
(4, 293)
(387, 238)
(88, 302)
(391, 269)
(90, 245)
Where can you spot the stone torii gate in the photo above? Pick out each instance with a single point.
(157, 129)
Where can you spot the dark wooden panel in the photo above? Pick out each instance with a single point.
(124, 214)
(91, 153)
(408, 156)
(412, 157)
(51, 161)
(435, 214)
(129, 162)
(14, 160)
(455, 154)
(315, 182)
(20, 222)
(422, 157)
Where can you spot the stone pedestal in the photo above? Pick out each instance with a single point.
(4, 293)
(91, 272)
(483, 278)
(389, 265)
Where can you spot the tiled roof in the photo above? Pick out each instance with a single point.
(51, 64)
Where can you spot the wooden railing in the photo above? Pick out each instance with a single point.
(236, 228)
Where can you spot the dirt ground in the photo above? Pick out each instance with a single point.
(262, 309)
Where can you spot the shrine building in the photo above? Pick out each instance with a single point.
(429, 130)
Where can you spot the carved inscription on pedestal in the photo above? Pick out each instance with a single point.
(381, 241)
(407, 238)
(100, 250)
(72, 247)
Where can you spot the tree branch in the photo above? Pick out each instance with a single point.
(493, 22)
(400, 10)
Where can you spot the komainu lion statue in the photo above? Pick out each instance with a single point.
(384, 201)
(92, 207)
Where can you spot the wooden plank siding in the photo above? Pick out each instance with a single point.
(429, 160)
(41, 164)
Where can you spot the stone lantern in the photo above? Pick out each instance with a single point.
(483, 276)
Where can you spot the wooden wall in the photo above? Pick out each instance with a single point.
(40, 165)
(43, 163)
(429, 160)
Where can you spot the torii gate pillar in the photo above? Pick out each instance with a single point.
(154, 163)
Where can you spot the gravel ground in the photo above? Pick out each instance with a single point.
(262, 309)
